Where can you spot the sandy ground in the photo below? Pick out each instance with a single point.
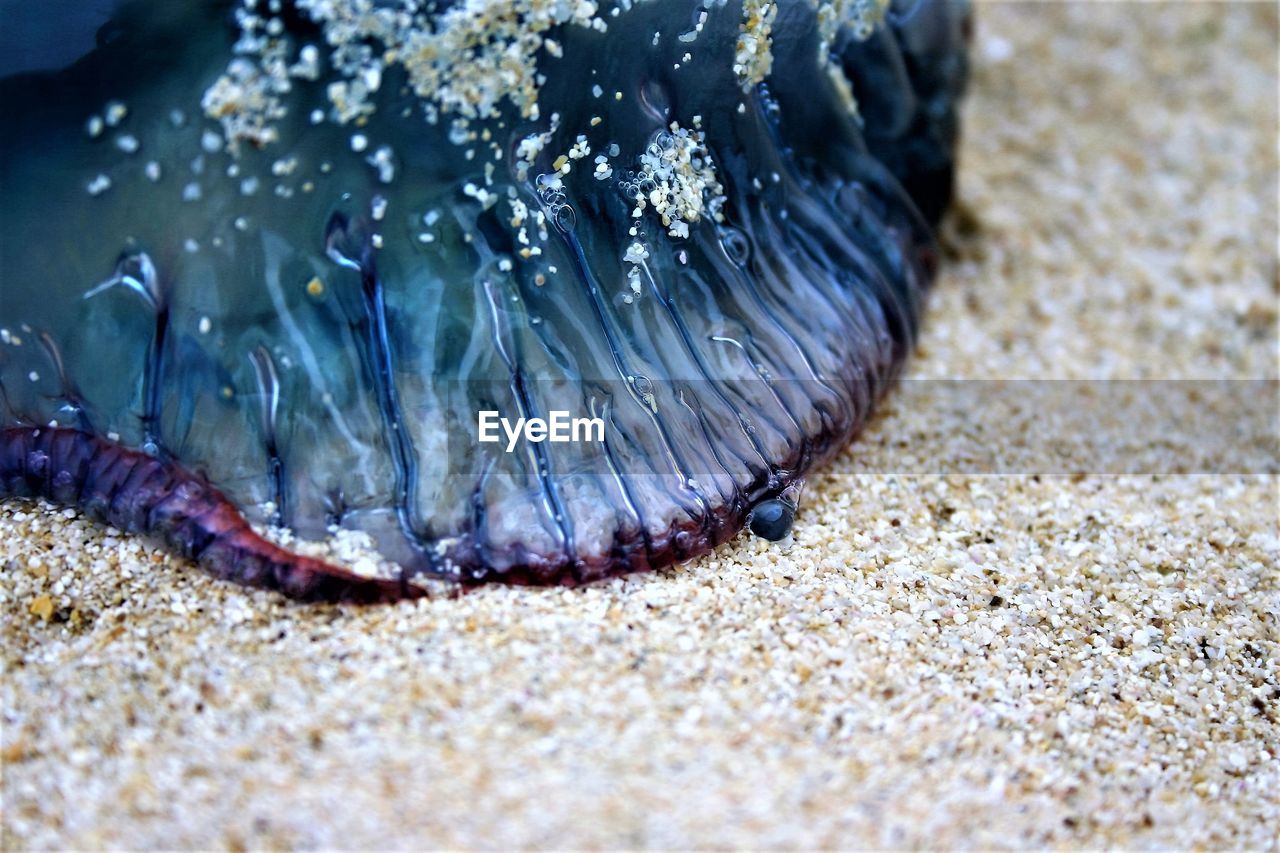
(941, 658)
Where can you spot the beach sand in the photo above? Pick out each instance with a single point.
(943, 657)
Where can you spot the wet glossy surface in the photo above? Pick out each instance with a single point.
(318, 341)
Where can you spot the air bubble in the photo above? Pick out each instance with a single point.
(736, 246)
(565, 218)
(656, 101)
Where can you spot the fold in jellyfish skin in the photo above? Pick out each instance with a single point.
(278, 263)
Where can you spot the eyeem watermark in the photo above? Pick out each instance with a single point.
(558, 427)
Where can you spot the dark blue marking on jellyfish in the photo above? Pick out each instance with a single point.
(273, 265)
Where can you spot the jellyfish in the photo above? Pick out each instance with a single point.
(521, 291)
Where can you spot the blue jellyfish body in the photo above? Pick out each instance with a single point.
(289, 262)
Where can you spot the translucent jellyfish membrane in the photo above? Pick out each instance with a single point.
(316, 324)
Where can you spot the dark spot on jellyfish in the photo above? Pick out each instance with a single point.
(772, 519)
(292, 288)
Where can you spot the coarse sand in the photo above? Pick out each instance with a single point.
(941, 658)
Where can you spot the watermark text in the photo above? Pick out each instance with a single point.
(557, 427)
